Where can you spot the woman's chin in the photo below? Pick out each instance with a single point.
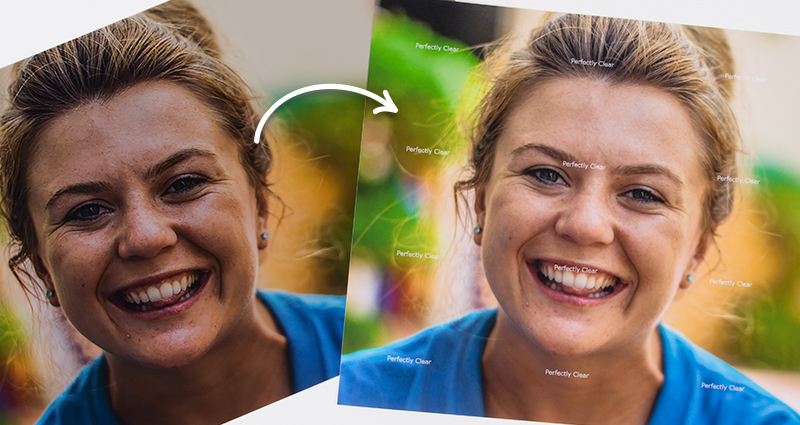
(565, 338)
(567, 342)
(566, 324)
(162, 354)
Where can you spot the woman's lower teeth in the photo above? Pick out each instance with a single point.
(149, 306)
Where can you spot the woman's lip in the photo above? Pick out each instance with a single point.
(169, 310)
(570, 299)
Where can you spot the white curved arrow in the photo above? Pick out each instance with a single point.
(386, 101)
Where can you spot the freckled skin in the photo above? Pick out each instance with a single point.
(199, 214)
(535, 208)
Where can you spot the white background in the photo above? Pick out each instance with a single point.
(327, 41)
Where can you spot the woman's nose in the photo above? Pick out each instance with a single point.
(586, 219)
(145, 233)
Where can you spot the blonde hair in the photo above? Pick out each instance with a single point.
(690, 63)
(172, 42)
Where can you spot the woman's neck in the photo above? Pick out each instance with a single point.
(247, 370)
(521, 381)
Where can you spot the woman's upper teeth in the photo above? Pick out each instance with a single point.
(163, 290)
(576, 276)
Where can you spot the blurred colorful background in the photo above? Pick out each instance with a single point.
(406, 203)
(277, 47)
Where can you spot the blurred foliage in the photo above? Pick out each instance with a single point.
(16, 386)
(328, 125)
(771, 337)
(388, 222)
(362, 332)
(427, 87)
(330, 121)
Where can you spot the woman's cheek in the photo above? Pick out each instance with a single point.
(79, 256)
(652, 244)
(511, 222)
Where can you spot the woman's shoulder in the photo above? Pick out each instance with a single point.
(324, 305)
(435, 370)
(85, 401)
(457, 332)
(718, 393)
(319, 313)
(313, 326)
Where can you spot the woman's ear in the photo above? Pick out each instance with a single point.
(480, 215)
(699, 255)
(44, 275)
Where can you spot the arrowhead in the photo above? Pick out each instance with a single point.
(388, 104)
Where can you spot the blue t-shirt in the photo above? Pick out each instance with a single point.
(312, 325)
(439, 370)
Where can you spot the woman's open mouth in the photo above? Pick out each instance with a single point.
(163, 294)
(579, 281)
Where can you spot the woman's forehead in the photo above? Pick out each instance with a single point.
(591, 118)
(133, 130)
(146, 113)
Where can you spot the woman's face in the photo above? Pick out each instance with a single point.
(592, 214)
(147, 225)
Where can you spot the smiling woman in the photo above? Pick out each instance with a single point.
(595, 199)
(157, 181)
(132, 187)
(637, 223)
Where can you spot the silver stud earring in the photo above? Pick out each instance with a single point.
(49, 293)
(264, 236)
(690, 278)
(477, 229)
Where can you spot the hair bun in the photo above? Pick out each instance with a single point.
(184, 20)
(713, 47)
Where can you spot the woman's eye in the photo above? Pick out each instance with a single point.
(87, 212)
(644, 196)
(545, 175)
(185, 185)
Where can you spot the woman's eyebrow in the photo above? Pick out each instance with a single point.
(78, 188)
(622, 170)
(550, 151)
(152, 172)
(639, 169)
(174, 159)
